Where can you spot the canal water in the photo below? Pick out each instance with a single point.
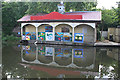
(56, 61)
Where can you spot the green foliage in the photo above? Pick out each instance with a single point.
(41, 7)
(117, 17)
(118, 13)
(10, 38)
(11, 12)
(47, 7)
(98, 35)
(107, 19)
(80, 6)
(102, 38)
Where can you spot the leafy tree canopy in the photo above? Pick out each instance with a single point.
(11, 12)
(108, 19)
(47, 7)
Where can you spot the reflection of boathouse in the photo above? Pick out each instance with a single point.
(61, 57)
(63, 27)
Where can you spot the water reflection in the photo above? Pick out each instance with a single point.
(50, 61)
(59, 56)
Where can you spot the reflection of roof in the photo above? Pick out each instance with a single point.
(53, 71)
(78, 15)
(56, 72)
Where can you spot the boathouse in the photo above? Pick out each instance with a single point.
(77, 27)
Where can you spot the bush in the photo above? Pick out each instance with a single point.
(102, 39)
(10, 38)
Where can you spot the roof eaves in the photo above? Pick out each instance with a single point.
(60, 21)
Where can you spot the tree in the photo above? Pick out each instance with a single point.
(47, 7)
(41, 7)
(117, 17)
(11, 12)
(107, 19)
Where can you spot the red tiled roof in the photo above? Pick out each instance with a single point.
(78, 15)
(56, 16)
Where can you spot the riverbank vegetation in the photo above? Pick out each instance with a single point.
(10, 39)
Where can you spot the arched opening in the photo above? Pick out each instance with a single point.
(84, 33)
(45, 54)
(63, 61)
(63, 56)
(87, 59)
(45, 32)
(29, 53)
(45, 59)
(65, 29)
(29, 56)
(63, 32)
(29, 32)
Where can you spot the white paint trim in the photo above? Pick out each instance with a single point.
(54, 24)
(95, 34)
(36, 33)
(34, 24)
(53, 33)
(90, 24)
(21, 33)
(73, 34)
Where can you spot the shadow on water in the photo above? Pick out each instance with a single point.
(51, 61)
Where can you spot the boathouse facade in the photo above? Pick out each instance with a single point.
(77, 27)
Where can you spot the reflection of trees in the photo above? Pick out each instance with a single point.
(87, 59)
(29, 57)
(107, 71)
(63, 61)
(10, 64)
(11, 58)
(45, 59)
(11, 67)
(106, 64)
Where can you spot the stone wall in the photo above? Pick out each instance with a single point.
(117, 35)
(115, 32)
